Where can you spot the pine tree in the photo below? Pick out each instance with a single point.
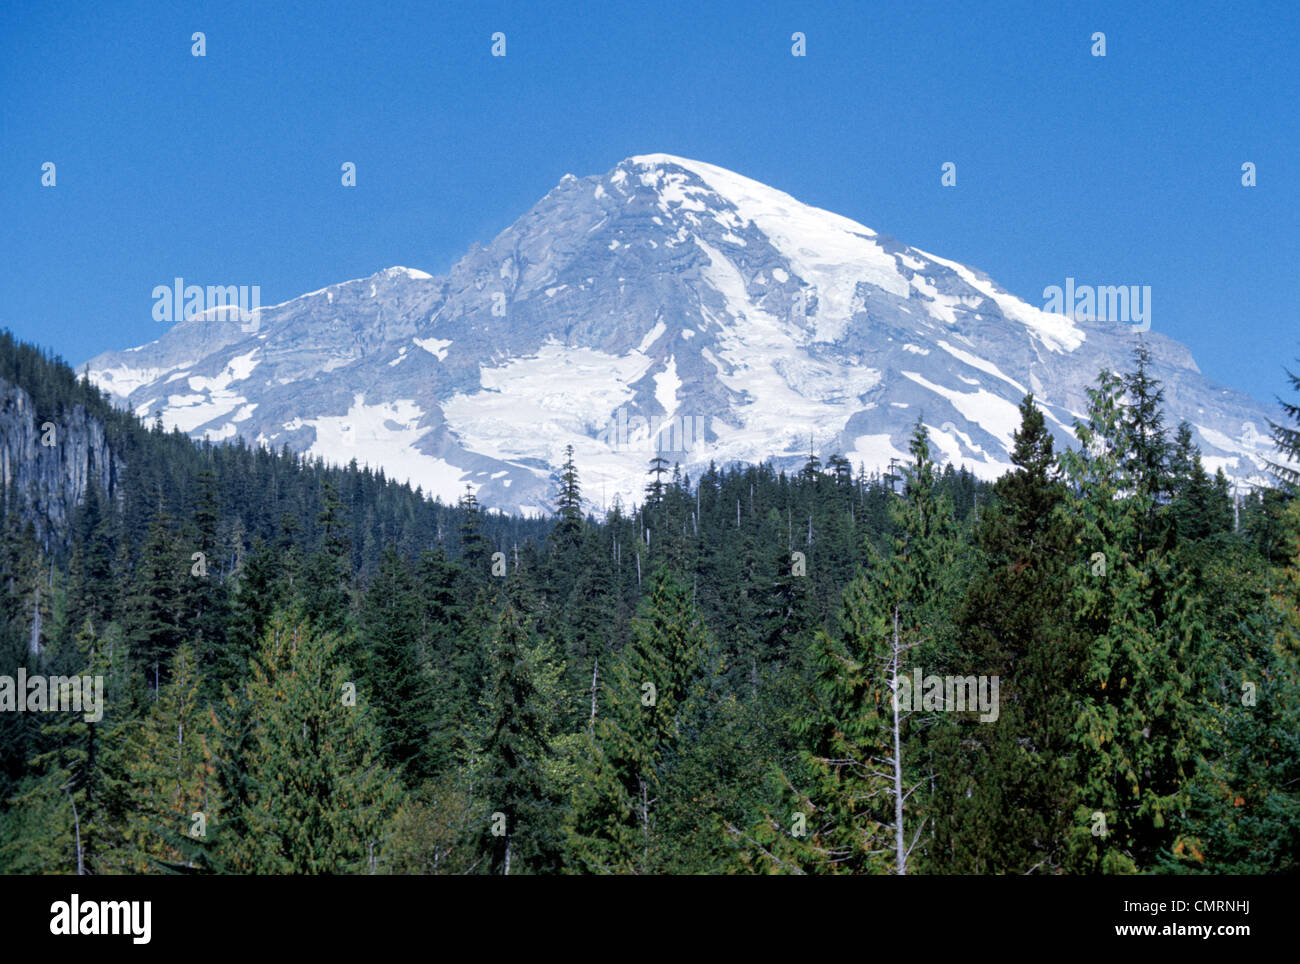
(1243, 814)
(320, 794)
(568, 527)
(325, 595)
(1287, 438)
(172, 795)
(475, 549)
(67, 813)
(647, 706)
(204, 596)
(1133, 735)
(513, 754)
(397, 671)
(853, 806)
(152, 617)
(654, 490)
(1007, 795)
(91, 591)
(257, 596)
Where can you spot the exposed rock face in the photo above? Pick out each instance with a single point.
(670, 303)
(49, 459)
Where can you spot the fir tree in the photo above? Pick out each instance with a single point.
(397, 670)
(320, 794)
(1133, 735)
(647, 706)
(1007, 795)
(171, 782)
(514, 750)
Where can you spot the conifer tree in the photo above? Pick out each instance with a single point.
(67, 813)
(568, 525)
(1007, 794)
(397, 670)
(648, 703)
(1144, 636)
(325, 595)
(852, 806)
(1287, 438)
(173, 803)
(153, 611)
(320, 794)
(654, 490)
(514, 751)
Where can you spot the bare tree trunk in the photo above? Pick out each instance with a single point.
(35, 646)
(76, 826)
(898, 757)
(645, 815)
(595, 675)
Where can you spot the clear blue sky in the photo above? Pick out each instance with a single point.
(225, 169)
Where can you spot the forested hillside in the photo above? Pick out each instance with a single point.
(310, 669)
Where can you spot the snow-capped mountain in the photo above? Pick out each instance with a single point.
(667, 303)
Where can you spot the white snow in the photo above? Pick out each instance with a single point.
(987, 367)
(188, 412)
(218, 435)
(1057, 332)
(526, 404)
(786, 394)
(436, 347)
(651, 336)
(666, 385)
(828, 251)
(990, 412)
(412, 273)
(123, 380)
(384, 434)
(873, 452)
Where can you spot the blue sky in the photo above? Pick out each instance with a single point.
(226, 169)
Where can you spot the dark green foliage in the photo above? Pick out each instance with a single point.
(347, 677)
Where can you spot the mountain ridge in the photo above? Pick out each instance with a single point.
(668, 299)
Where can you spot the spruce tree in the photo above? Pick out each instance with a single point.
(1133, 735)
(320, 794)
(397, 671)
(647, 705)
(174, 806)
(522, 835)
(1007, 795)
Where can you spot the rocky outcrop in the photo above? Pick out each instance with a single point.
(49, 459)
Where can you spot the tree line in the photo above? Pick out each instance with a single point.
(351, 678)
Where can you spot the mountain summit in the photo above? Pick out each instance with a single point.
(667, 305)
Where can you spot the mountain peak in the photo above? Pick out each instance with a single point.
(670, 306)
